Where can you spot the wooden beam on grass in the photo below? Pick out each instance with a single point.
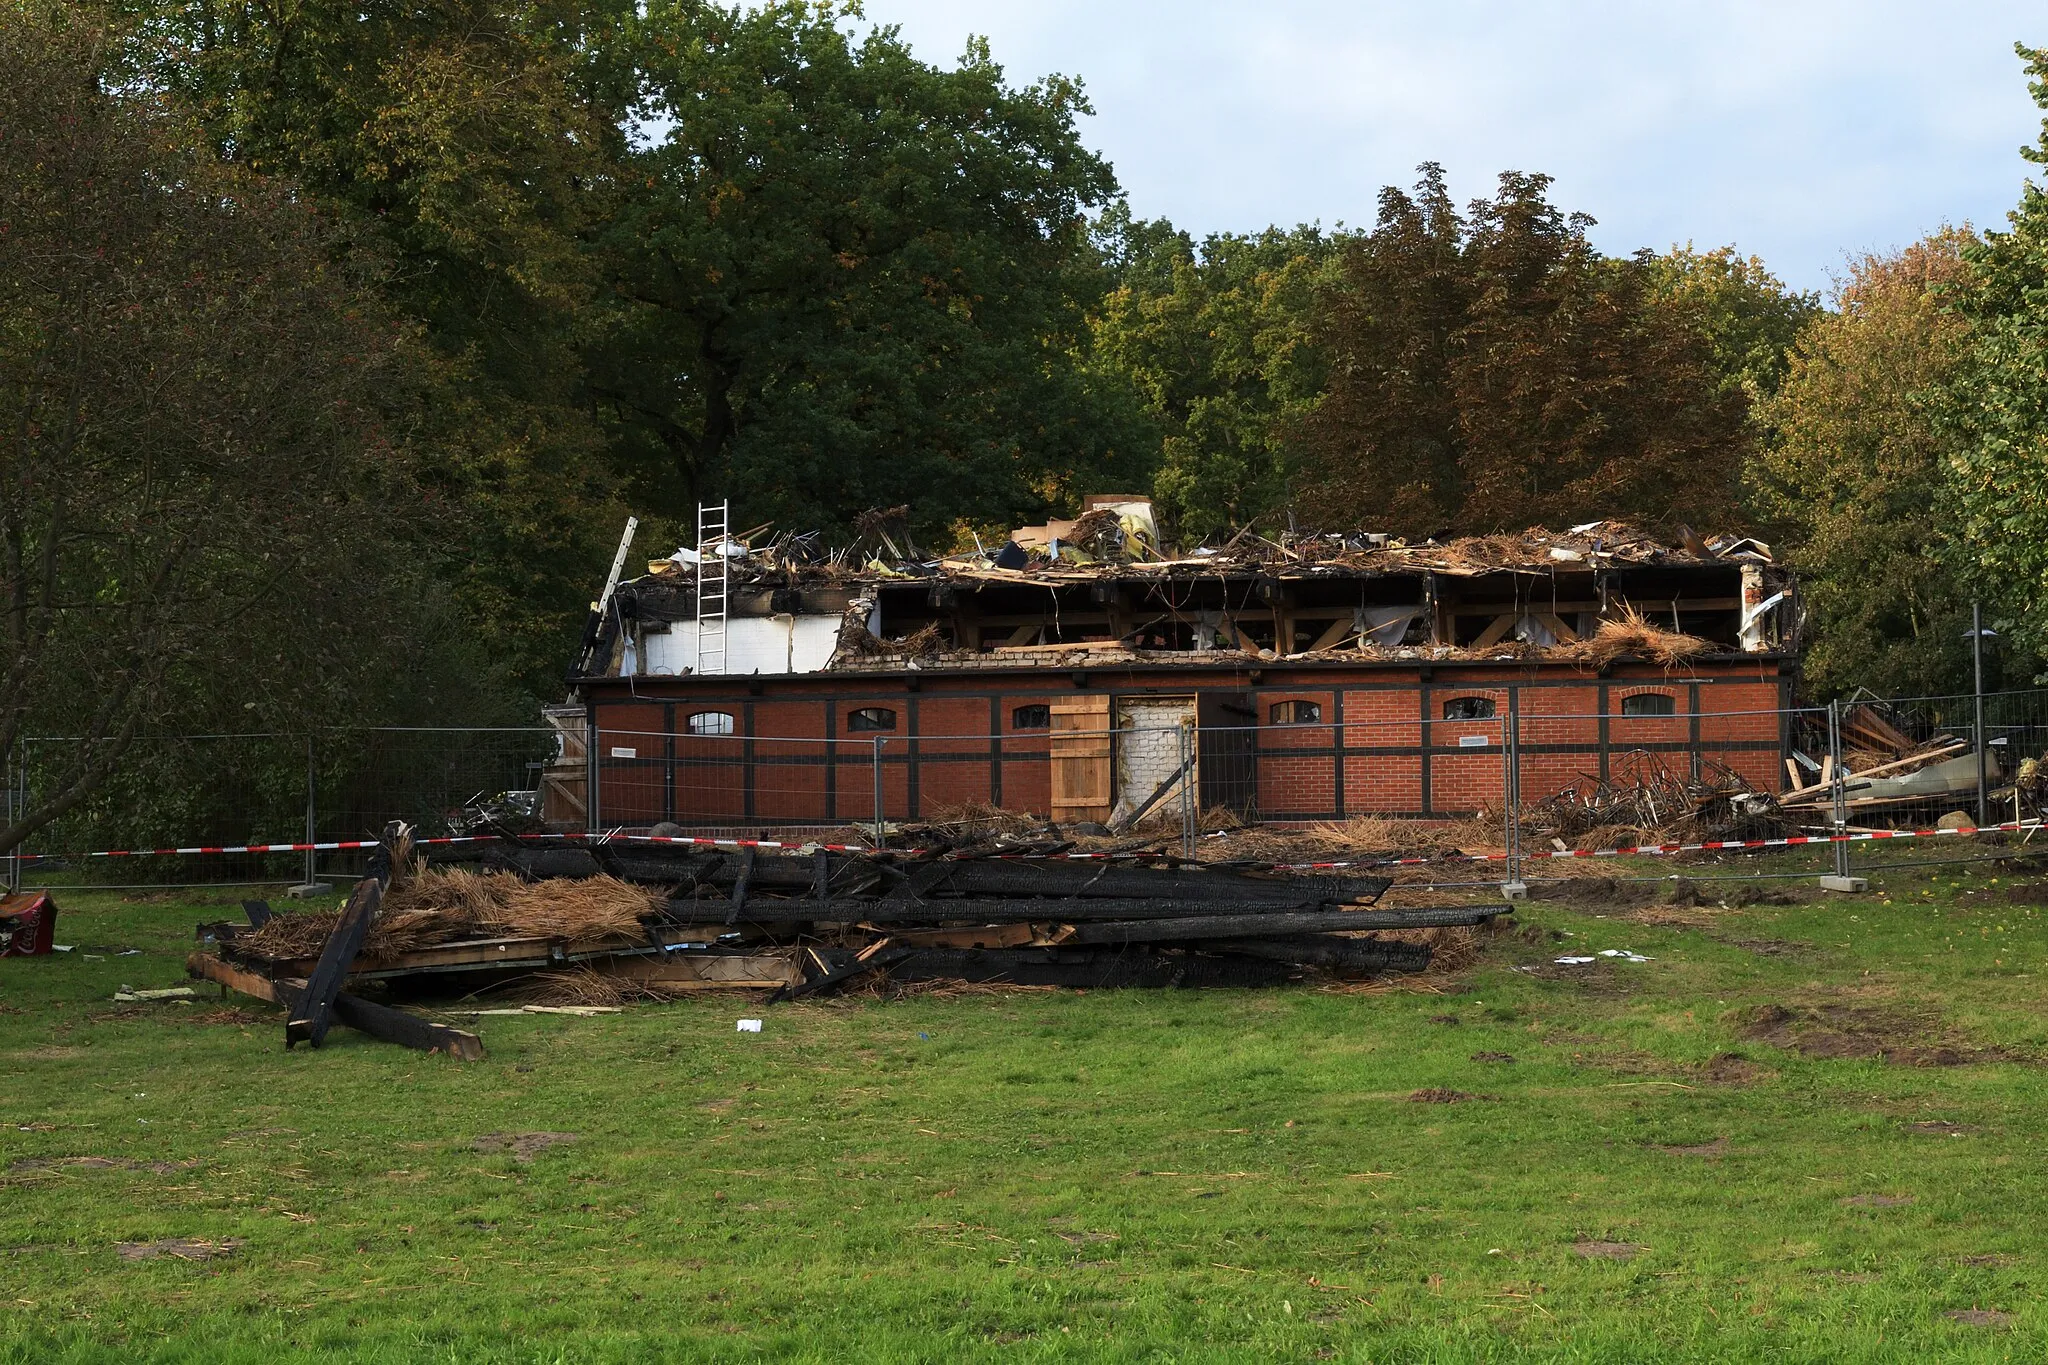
(312, 1013)
(379, 1021)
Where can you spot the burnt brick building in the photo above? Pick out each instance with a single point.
(1079, 671)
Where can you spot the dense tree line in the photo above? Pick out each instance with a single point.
(392, 311)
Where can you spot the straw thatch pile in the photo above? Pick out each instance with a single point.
(446, 905)
(1633, 635)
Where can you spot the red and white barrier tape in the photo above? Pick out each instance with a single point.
(336, 844)
(1643, 850)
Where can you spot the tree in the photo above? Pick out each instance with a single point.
(1851, 479)
(198, 395)
(477, 143)
(1996, 413)
(1496, 371)
(1216, 344)
(1748, 317)
(843, 278)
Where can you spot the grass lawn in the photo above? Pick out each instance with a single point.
(1144, 1176)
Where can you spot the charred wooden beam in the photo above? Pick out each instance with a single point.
(1206, 927)
(1349, 954)
(1089, 969)
(312, 1012)
(992, 876)
(985, 910)
(365, 1016)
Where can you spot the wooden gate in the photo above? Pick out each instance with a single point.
(1080, 758)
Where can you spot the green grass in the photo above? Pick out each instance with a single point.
(1145, 1176)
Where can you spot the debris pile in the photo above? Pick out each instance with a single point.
(631, 920)
(1886, 771)
(1644, 799)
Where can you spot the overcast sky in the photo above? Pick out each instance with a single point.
(1802, 131)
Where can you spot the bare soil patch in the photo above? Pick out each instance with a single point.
(1717, 1148)
(1853, 1032)
(98, 1163)
(1493, 1057)
(524, 1147)
(1941, 1128)
(1768, 947)
(2028, 893)
(1979, 1317)
(1732, 1068)
(1437, 1095)
(181, 1248)
(1993, 1258)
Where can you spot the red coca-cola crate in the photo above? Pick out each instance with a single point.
(28, 923)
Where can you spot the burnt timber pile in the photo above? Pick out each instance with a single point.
(815, 922)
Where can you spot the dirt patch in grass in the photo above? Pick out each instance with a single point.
(1993, 1258)
(1448, 1019)
(2028, 893)
(1717, 1148)
(1857, 1032)
(1767, 947)
(1979, 1317)
(1493, 1057)
(1608, 1251)
(1732, 1068)
(1438, 1095)
(179, 1248)
(228, 1015)
(1598, 893)
(1877, 1201)
(98, 1163)
(524, 1147)
(1941, 1128)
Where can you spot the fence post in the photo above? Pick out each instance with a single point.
(1188, 804)
(1514, 888)
(591, 821)
(312, 812)
(880, 836)
(1839, 794)
(17, 777)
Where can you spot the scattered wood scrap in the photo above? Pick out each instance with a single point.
(478, 918)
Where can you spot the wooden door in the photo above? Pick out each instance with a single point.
(1080, 758)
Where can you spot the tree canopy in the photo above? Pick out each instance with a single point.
(208, 483)
(622, 257)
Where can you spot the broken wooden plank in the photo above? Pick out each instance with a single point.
(379, 1021)
(312, 1010)
(881, 961)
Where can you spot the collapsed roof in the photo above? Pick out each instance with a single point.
(1100, 587)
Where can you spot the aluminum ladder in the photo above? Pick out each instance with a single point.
(712, 529)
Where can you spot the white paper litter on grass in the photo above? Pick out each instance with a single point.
(1624, 954)
(1573, 961)
(750, 1026)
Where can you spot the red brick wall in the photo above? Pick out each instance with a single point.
(1399, 756)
